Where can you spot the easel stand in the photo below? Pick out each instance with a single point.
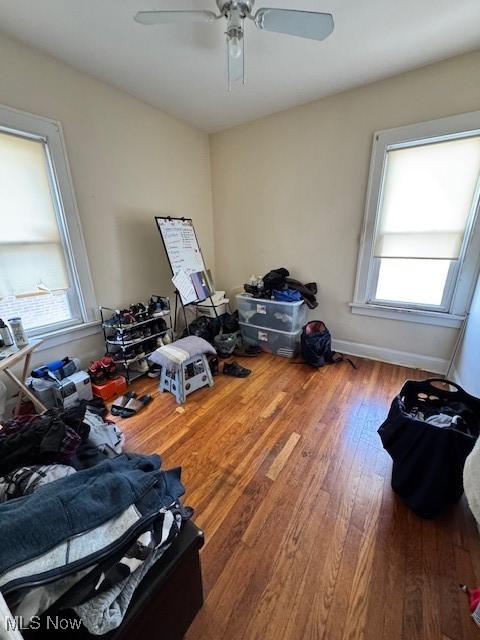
(178, 298)
(184, 255)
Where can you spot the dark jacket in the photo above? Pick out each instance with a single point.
(72, 507)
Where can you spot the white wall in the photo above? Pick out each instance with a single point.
(289, 190)
(467, 365)
(129, 163)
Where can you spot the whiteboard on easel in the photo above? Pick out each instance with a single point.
(181, 246)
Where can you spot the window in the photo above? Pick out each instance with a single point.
(44, 275)
(421, 239)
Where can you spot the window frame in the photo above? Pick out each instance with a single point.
(462, 276)
(49, 132)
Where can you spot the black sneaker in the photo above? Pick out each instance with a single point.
(158, 306)
(150, 345)
(159, 326)
(126, 337)
(129, 355)
(114, 321)
(235, 370)
(139, 312)
(154, 370)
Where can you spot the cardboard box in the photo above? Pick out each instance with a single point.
(72, 389)
(110, 389)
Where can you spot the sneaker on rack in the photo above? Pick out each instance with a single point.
(160, 342)
(150, 345)
(127, 337)
(121, 337)
(139, 312)
(160, 326)
(120, 357)
(140, 365)
(126, 317)
(113, 322)
(158, 306)
(166, 339)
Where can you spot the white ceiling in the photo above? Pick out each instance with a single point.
(180, 68)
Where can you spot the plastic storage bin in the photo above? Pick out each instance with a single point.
(288, 317)
(281, 343)
(206, 309)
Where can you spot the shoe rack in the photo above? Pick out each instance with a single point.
(119, 349)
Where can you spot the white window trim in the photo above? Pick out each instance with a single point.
(39, 127)
(461, 125)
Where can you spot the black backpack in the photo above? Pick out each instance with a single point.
(316, 345)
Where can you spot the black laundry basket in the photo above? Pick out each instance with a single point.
(428, 460)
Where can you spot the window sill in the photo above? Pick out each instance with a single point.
(408, 315)
(63, 336)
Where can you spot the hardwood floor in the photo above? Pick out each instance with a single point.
(304, 537)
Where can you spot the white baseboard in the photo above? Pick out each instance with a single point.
(403, 358)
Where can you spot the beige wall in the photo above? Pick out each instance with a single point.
(289, 190)
(129, 163)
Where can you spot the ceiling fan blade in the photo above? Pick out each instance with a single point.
(304, 24)
(169, 17)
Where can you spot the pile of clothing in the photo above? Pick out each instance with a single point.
(278, 285)
(455, 415)
(78, 436)
(115, 515)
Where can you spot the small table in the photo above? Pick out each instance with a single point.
(14, 357)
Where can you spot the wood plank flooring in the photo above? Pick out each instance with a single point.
(304, 538)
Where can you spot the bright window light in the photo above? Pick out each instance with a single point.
(412, 281)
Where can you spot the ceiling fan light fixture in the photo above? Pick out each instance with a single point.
(235, 46)
(244, 7)
(312, 25)
(235, 56)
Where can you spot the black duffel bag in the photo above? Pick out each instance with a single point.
(428, 460)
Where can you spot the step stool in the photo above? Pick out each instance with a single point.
(176, 381)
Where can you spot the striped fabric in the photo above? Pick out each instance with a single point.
(171, 356)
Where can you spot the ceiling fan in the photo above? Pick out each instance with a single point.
(304, 24)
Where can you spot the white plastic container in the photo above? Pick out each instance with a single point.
(288, 317)
(206, 309)
(18, 332)
(280, 343)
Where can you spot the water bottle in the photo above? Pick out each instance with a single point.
(5, 334)
(18, 331)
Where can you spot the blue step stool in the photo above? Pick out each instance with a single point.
(177, 380)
